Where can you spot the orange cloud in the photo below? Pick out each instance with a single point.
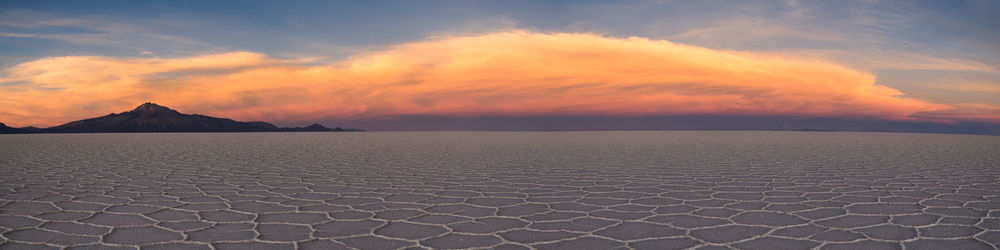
(508, 73)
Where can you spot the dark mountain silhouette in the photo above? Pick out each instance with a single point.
(315, 127)
(150, 117)
(31, 129)
(10, 130)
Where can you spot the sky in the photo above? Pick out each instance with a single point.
(859, 65)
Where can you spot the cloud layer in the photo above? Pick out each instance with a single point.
(511, 73)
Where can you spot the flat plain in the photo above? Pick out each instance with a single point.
(503, 190)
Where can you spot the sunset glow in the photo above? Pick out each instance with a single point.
(904, 66)
(505, 73)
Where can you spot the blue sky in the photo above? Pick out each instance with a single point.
(944, 52)
(959, 28)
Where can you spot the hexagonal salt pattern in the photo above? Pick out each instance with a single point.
(503, 190)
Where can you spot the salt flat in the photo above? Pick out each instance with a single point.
(507, 190)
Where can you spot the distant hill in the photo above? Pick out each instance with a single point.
(9, 130)
(315, 127)
(150, 117)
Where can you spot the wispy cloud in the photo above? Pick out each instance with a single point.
(92, 31)
(860, 34)
(965, 86)
(738, 31)
(979, 112)
(90, 39)
(878, 59)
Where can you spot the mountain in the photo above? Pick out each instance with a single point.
(9, 130)
(315, 127)
(150, 117)
(31, 129)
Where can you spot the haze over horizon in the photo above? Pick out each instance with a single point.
(921, 66)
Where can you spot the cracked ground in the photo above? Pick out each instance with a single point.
(502, 190)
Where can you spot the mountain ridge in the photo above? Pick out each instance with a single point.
(151, 117)
(315, 127)
(4, 129)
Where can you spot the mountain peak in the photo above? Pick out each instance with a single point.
(151, 117)
(153, 108)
